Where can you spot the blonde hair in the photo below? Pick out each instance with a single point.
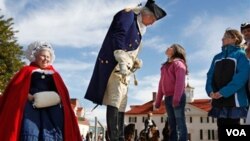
(235, 34)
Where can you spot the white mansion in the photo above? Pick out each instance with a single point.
(200, 126)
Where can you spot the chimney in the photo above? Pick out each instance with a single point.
(154, 96)
(154, 99)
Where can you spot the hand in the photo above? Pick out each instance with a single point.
(175, 104)
(211, 94)
(157, 106)
(216, 95)
(30, 97)
(123, 69)
(137, 63)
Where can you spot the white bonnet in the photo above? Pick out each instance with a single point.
(37, 46)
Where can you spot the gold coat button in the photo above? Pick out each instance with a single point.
(106, 61)
(130, 45)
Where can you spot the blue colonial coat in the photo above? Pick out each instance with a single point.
(123, 34)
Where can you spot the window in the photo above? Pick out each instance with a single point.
(243, 120)
(201, 119)
(189, 137)
(213, 135)
(189, 119)
(132, 119)
(201, 134)
(212, 120)
(162, 119)
(207, 119)
(209, 135)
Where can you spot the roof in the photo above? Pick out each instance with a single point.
(188, 86)
(73, 106)
(203, 104)
(83, 121)
(79, 109)
(73, 101)
(145, 109)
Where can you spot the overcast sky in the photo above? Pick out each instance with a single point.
(76, 29)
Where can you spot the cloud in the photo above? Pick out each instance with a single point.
(66, 23)
(202, 38)
(198, 81)
(72, 65)
(143, 92)
(76, 75)
(91, 53)
(156, 43)
(2, 6)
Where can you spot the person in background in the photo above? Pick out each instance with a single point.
(226, 80)
(106, 135)
(89, 136)
(171, 86)
(149, 122)
(165, 131)
(20, 118)
(245, 30)
(100, 137)
(117, 60)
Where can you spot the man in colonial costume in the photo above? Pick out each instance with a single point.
(117, 60)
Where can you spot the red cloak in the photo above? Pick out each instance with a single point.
(14, 98)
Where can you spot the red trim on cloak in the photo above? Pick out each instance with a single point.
(13, 101)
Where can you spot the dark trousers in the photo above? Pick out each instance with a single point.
(115, 123)
(222, 123)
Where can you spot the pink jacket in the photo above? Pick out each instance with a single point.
(172, 81)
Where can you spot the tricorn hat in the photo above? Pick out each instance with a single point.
(158, 12)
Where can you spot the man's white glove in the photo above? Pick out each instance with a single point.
(123, 68)
(137, 63)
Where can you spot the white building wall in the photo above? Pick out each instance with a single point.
(193, 121)
(83, 129)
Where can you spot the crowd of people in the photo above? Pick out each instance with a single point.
(40, 103)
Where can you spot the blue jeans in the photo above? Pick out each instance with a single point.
(115, 123)
(176, 119)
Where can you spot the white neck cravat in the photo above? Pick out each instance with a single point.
(142, 27)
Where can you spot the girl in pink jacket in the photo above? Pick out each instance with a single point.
(171, 86)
